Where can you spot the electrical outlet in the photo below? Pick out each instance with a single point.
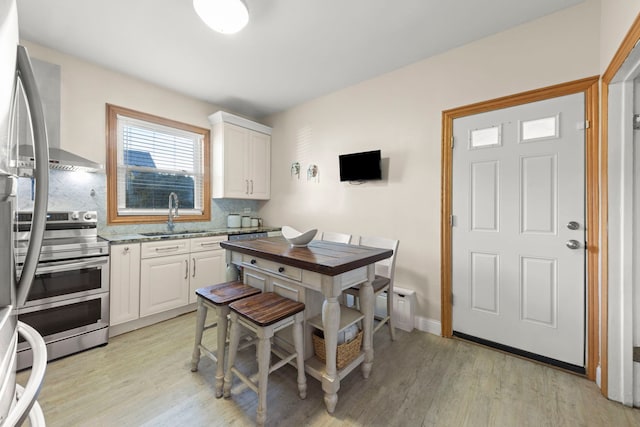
(247, 210)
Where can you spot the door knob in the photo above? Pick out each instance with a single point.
(572, 225)
(573, 244)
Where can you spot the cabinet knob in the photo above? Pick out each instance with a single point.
(126, 249)
(281, 270)
(253, 261)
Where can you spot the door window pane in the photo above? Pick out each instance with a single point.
(539, 129)
(484, 137)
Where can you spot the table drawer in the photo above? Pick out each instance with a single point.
(293, 273)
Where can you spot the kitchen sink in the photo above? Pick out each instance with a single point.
(172, 233)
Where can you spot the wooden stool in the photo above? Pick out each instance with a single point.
(217, 297)
(265, 314)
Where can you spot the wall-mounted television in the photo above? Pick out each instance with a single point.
(363, 166)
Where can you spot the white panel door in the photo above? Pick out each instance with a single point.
(518, 200)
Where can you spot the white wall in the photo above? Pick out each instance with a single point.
(86, 88)
(615, 20)
(400, 113)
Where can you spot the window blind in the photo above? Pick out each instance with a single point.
(155, 160)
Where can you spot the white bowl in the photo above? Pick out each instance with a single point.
(296, 238)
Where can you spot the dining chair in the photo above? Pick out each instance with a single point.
(330, 236)
(383, 281)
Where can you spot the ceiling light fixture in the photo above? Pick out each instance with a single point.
(223, 16)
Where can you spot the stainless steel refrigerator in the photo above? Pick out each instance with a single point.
(18, 403)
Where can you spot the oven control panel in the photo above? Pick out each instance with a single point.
(60, 220)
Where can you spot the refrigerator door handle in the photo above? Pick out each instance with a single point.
(21, 411)
(41, 153)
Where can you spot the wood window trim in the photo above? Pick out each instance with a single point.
(113, 218)
(590, 88)
(625, 48)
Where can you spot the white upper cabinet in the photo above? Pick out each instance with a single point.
(241, 158)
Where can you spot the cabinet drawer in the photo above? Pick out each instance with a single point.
(200, 244)
(164, 248)
(273, 267)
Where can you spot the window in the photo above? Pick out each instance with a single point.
(149, 157)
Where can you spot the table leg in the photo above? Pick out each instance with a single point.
(330, 379)
(221, 331)
(200, 323)
(367, 305)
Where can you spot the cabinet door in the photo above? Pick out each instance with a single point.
(124, 296)
(236, 152)
(164, 283)
(259, 165)
(255, 278)
(295, 291)
(207, 268)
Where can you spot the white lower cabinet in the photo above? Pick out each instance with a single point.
(208, 263)
(152, 278)
(124, 295)
(164, 283)
(164, 276)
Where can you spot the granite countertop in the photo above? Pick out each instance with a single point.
(135, 238)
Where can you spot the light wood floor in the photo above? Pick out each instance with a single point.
(143, 379)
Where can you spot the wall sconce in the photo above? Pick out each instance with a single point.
(295, 169)
(313, 173)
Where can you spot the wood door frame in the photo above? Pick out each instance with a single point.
(589, 86)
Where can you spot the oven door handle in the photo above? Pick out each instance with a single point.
(69, 265)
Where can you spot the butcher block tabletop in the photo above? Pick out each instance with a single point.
(319, 256)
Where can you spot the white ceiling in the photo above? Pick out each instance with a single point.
(290, 52)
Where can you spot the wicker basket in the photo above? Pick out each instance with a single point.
(345, 354)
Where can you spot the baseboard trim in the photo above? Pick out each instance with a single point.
(431, 326)
(143, 322)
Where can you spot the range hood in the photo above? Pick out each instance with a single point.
(48, 79)
(58, 159)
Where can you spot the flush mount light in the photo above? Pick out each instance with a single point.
(223, 16)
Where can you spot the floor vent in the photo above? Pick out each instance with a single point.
(636, 354)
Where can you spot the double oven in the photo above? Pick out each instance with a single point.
(68, 303)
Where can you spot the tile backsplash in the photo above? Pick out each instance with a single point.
(88, 191)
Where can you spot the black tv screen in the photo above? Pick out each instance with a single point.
(363, 166)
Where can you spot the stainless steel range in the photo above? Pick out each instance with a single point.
(68, 303)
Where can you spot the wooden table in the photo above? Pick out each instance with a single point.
(327, 268)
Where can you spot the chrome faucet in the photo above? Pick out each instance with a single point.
(172, 214)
